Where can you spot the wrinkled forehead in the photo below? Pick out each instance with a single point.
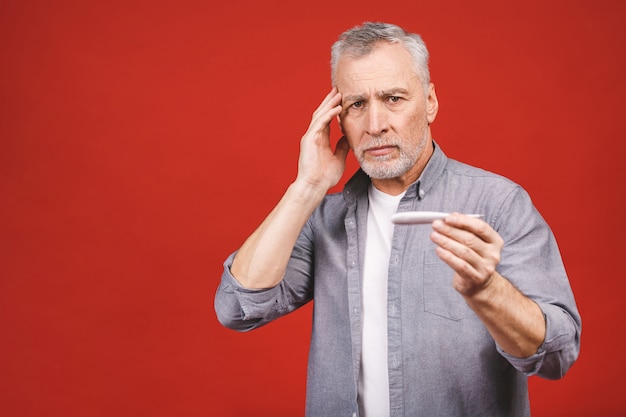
(384, 68)
(380, 60)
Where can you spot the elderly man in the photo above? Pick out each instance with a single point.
(409, 320)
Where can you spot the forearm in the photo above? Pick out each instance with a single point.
(263, 258)
(514, 321)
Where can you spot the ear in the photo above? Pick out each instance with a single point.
(340, 124)
(432, 104)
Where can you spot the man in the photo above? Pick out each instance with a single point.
(409, 320)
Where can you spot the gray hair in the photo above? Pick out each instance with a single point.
(361, 40)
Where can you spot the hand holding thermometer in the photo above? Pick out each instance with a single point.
(422, 217)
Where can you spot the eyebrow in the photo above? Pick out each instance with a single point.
(353, 98)
(383, 93)
(392, 92)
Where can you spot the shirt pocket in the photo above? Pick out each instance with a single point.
(440, 297)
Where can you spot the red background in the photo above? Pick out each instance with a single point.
(141, 142)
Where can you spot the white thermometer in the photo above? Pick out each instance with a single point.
(422, 217)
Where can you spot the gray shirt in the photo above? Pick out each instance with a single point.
(441, 359)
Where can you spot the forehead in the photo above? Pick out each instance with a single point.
(388, 66)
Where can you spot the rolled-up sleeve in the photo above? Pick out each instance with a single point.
(244, 309)
(239, 308)
(558, 351)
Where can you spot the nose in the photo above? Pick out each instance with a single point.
(377, 119)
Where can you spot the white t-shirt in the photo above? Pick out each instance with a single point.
(373, 375)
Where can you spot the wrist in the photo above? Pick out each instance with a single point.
(306, 193)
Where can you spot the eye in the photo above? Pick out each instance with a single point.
(357, 104)
(394, 99)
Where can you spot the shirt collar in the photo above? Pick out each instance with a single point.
(432, 171)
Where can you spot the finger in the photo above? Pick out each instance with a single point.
(459, 265)
(476, 226)
(463, 237)
(324, 115)
(459, 247)
(465, 246)
(469, 275)
(480, 257)
(483, 238)
(333, 92)
(331, 100)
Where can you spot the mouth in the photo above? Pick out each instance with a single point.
(380, 150)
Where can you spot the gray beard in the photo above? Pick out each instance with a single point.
(383, 168)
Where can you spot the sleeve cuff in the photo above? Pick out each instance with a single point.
(254, 303)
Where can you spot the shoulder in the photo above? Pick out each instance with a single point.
(461, 181)
(466, 187)
(452, 175)
(461, 169)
